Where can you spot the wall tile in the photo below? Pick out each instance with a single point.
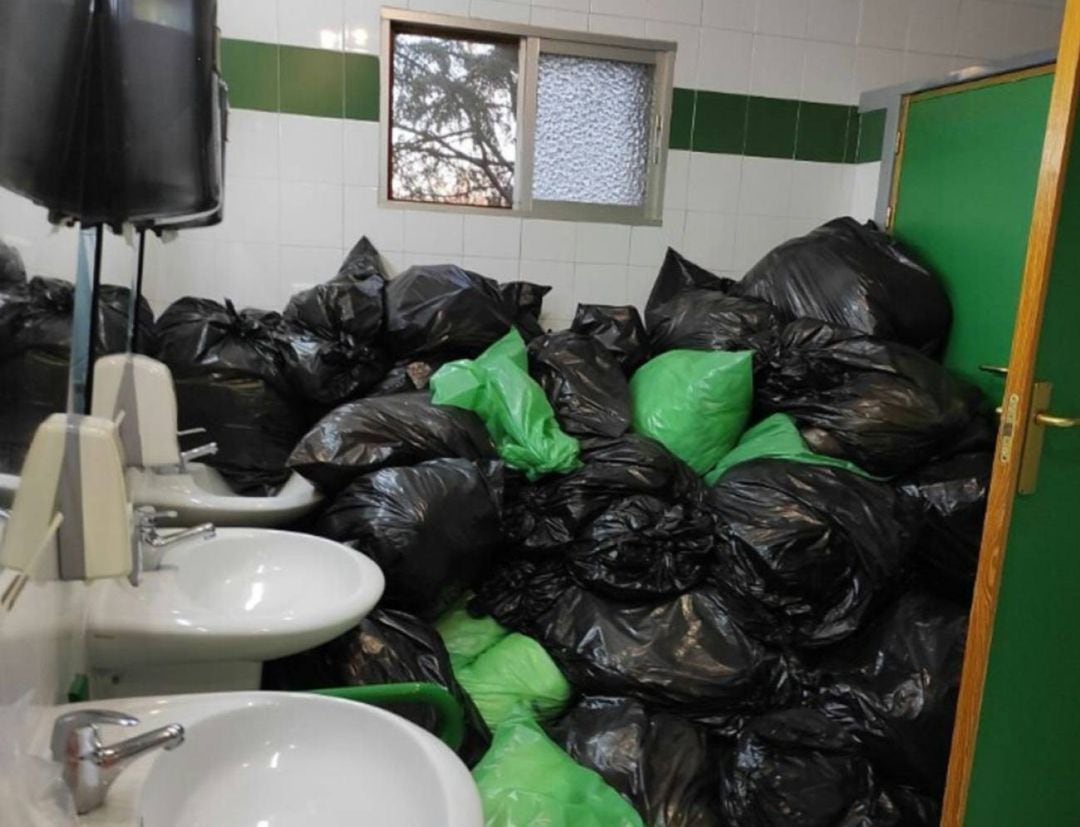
(755, 236)
(253, 210)
(559, 18)
(317, 24)
(714, 183)
(568, 5)
(492, 236)
(312, 214)
(312, 81)
(765, 186)
(683, 102)
(361, 165)
(384, 226)
(362, 26)
(884, 23)
(877, 68)
(782, 17)
(833, 20)
(720, 123)
(622, 26)
(312, 149)
(822, 132)
(600, 284)
(709, 239)
(248, 20)
(676, 180)
(248, 274)
(919, 66)
(434, 232)
(495, 10)
(361, 87)
(776, 66)
(686, 57)
(639, 284)
(500, 269)
(441, 6)
(304, 267)
(871, 136)
(602, 244)
(548, 240)
(252, 151)
(829, 73)
(725, 60)
(932, 26)
(187, 269)
(430, 260)
(820, 191)
(648, 244)
(864, 190)
(729, 14)
(251, 70)
(675, 11)
(770, 127)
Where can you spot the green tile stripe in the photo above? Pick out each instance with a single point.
(325, 83)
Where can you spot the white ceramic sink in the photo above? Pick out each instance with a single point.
(244, 595)
(200, 494)
(269, 759)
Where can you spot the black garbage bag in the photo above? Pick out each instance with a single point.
(232, 379)
(12, 271)
(953, 492)
(894, 688)
(686, 654)
(409, 374)
(796, 768)
(35, 351)
(553, 513)
(327, 372)
(584, 384)
(882, 405)
(644, 547)
(517, 591)
(361, 263)
(345, 311)
(916, 809)
(435, 308)
(378, 432)
(619, 329)
(856, 276)
(387, 647)
(805, 551)
(432, 528)
(663, 764)
(525, 302)
(690, 308)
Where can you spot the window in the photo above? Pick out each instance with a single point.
(484, 116)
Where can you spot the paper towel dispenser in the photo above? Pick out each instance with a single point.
(113, 112)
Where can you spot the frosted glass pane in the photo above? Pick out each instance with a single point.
(592, 130)
(454, 120)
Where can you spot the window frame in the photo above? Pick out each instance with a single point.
(534, 41)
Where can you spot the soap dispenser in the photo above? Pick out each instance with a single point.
(72, 498)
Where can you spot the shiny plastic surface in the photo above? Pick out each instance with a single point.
(619, 329)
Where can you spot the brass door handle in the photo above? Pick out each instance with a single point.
(1051, 421)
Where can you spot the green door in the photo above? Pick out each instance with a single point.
(1027, 753)
(962, 202)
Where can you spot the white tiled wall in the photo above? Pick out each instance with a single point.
(301, 190)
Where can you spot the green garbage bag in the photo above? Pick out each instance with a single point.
(515, 677)
(497, 387)
(467, 637)
(525, 780)
(694, 402)
(776, 437)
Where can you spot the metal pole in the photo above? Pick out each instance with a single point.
(136, 294)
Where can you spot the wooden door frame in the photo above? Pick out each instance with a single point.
(1017, 414)
(906, 100)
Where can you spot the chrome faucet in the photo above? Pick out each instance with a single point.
(90, 767)
(149, 545)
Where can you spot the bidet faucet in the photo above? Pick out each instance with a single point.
(90, 767)
(149, 544)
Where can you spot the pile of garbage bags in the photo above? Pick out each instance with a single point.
(705, 567)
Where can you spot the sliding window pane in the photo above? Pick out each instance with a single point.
(592, 130)
(454, 119)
